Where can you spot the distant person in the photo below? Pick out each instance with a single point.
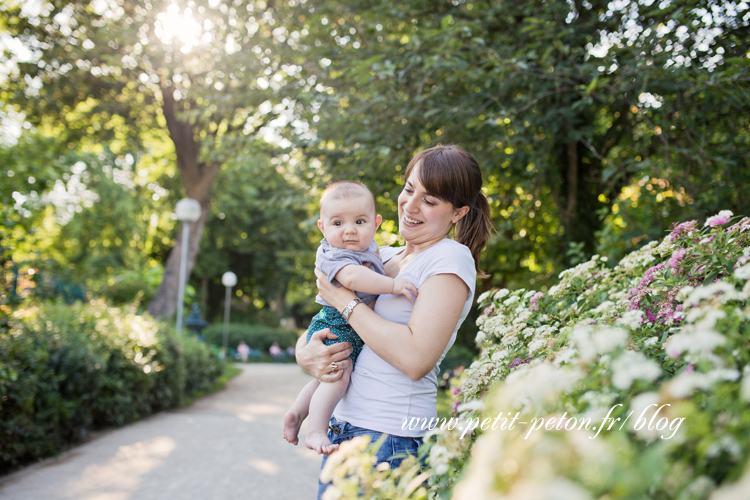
(349, 256)
(243, 350)
(276, 352)
(291, 351)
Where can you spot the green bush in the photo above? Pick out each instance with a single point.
(258, 337)
(67, 369)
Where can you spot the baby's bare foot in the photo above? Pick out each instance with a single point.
(319, 442)
(292, 423)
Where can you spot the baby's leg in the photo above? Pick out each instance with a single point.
(323, 402)
(299, 410)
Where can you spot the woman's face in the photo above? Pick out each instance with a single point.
(422, 217)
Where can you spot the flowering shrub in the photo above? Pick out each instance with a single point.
(620, 382)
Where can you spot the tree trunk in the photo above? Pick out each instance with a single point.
(197, 179)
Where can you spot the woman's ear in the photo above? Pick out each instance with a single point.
(459, 214)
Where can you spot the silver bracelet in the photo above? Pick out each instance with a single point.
(349, 308)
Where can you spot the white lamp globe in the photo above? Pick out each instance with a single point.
(188, 210)
(229, 279)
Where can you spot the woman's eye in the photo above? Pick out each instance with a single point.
(430, 203)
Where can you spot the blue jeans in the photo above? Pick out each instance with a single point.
(339, 431)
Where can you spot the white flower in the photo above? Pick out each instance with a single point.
(742, 273)
(473, 405)
(631, 366)
(609, 339)
(499, 356)
(727, 291)
(631, 319)
(536, 344)
(604, 306)
(511, 300)
(644, 405)
(484, 296)
(531, 387)
(439, 457)
(726, 213)
(725, 444)
(701, 487)
(564, 355)
(684, 385)
(651, 340)
(501, 293)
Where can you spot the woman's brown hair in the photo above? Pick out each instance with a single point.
(453, 175)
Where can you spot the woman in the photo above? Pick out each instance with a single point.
(395, 378)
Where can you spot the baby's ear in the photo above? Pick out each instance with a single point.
(320, 226)
(378, 220)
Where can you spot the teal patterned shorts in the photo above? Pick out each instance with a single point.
(329, 317)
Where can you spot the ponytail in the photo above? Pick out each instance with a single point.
(475, 228)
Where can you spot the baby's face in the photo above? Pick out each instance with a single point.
(349, 223)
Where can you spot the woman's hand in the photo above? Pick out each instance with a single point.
(316, 357)
(337, 296)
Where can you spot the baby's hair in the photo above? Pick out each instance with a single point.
(343, 190)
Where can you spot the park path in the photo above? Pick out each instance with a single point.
(225, 446)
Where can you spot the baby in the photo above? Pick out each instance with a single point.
(349, 256)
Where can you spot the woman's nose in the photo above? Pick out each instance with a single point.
(411, 204)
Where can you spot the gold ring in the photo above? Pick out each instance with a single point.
(334, 365)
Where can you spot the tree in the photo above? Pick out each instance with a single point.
(559, 100)
(111, 72)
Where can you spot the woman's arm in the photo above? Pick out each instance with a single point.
(363, 279)
(315, 357)
(414, 348)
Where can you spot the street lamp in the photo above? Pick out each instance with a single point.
(228, 279)
(187, 211)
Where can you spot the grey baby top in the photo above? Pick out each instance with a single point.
(331, 260)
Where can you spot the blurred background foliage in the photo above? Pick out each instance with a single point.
(596, 123)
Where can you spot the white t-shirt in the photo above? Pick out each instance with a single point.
(380, 397)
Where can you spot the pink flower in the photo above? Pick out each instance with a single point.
(534, 300)
(455, 406)
(683, 229)
(677, 256)
(719, 219)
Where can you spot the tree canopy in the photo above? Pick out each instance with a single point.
(595, 123)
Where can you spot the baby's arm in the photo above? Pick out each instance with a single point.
(365, 280)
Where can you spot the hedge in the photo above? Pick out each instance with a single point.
(258, 337)
(68, 369)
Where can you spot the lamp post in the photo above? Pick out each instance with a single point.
(228, 279)
(187, 211)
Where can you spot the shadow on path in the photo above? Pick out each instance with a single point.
(224, 446)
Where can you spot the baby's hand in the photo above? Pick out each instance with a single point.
(404, 287)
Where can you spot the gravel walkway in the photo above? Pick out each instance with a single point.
(227, 445)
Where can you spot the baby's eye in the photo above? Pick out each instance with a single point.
(337, 223)
(361, 221)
